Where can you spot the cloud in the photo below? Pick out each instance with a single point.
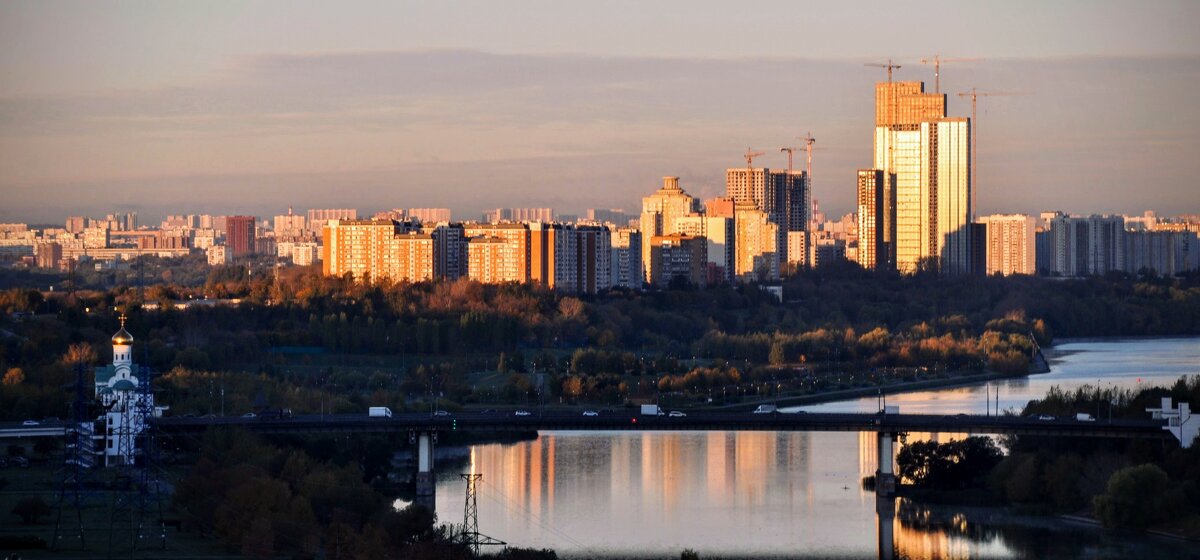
(470, 129)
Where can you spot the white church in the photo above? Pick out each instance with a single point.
(126, 410)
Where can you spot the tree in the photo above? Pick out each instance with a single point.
(13, 377)
(1137, 497)
(31, 509)
(80, 353)
(917, 461)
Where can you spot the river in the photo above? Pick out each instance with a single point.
(651, 495)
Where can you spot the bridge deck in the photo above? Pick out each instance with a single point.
(696, 421)
(631, 421)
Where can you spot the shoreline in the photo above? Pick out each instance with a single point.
(854, 394)
(1118, 338)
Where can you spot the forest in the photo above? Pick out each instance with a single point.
(308, 342)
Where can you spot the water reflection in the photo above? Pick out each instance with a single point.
(739, 494)
(733, 494)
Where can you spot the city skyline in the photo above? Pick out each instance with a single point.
(255, 126)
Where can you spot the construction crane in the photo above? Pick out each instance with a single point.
(750, 155)
(937, 61)
(789, 150)
(808, 147)
(889, 67)
(975, 94)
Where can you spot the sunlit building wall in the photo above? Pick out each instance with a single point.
(900, 108)
(718, 232)
(660, 212)
(875, 202)
(377, 249)
(756, 255)
(947, 145)
(507, 262)
(240, 235)
(1011, 247)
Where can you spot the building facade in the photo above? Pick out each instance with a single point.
(1011, 244)
(661, 212)
(874, 194)
(626, 259)
(240, 235)
(677, 258)
(756, 256)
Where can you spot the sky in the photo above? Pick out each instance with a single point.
(251, 107)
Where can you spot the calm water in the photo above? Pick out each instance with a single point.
(1123, 364)
(786, 494)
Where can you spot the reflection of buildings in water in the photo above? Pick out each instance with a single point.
(533, 476)
(671, 471)
(718, 467)
(867, 453)
(520, 477)
(620, 469)
(919, 532)
(649, 473)
(754, 460)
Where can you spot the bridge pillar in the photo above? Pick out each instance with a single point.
(885, 516)
(426, 489)
(885, 479)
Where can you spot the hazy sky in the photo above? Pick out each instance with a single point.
(220, 107)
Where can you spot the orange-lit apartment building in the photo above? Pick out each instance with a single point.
(569, 258)
(374, 249)
(497, 253)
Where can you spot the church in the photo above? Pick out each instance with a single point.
(126, 408)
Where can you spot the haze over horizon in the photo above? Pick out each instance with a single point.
(230, 107)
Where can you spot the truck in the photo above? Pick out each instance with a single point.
(766, 409)
(890, 409)
(379, 412)
(1085, 417)
(652, 410)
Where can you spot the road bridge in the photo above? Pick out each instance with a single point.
(423, 428)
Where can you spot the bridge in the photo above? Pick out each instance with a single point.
(694, 421)
(423, 428)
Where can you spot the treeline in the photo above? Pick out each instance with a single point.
(850, 320)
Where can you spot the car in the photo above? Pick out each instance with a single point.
(442, 413)
(522, 413)
(676, 414)
(31, 423)
(591, 413)
(249, 415)
(1045, 417)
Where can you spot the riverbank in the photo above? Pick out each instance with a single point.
(860, 392)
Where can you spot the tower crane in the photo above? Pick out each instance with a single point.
(937, 61)
(975, 94)
(808, 147)
(750, 155)
(789, 150)
(889, 66)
